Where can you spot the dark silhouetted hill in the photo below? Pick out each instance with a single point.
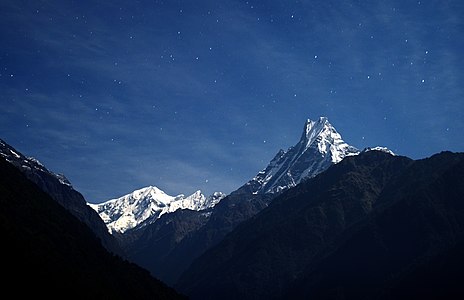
(60, 190)
(48, 252)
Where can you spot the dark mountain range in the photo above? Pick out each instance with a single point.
(372, 226)
(169, 246)
(48, 252)
(61, 190)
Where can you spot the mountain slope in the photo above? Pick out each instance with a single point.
(411, 246)
(59, 188)
(155, 247)
(314, 239)
(56, 255)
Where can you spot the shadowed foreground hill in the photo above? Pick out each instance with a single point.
(372, 226)
(46, 251)
(61, 190)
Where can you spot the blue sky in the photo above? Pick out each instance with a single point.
(189, 95)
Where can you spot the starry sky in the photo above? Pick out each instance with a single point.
(188, 95)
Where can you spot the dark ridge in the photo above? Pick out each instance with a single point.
(366, 228)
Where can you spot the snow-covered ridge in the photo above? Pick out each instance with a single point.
(379, 148)
(146, 205)
(28, 163)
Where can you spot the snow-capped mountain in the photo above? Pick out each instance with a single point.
(146, 205)
(320, 146)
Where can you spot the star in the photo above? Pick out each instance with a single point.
(117, 75)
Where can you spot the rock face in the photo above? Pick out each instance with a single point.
(372, 226)
(61, 190)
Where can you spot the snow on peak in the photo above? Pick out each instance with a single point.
(146, 205)
(379, 148)
(319, 147)
(322, 135)
(313, 129)
(28, 164)
(214, 199)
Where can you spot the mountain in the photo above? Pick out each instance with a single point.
(146, 205)
(372, 226)
(61, 190)
(49, 253)
(168, 246)
(319, 147)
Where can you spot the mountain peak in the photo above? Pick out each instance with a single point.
(312, 129)
(319, 147)
(317, 131)
(148, 190)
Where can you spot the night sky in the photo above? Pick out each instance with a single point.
(188, 95)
